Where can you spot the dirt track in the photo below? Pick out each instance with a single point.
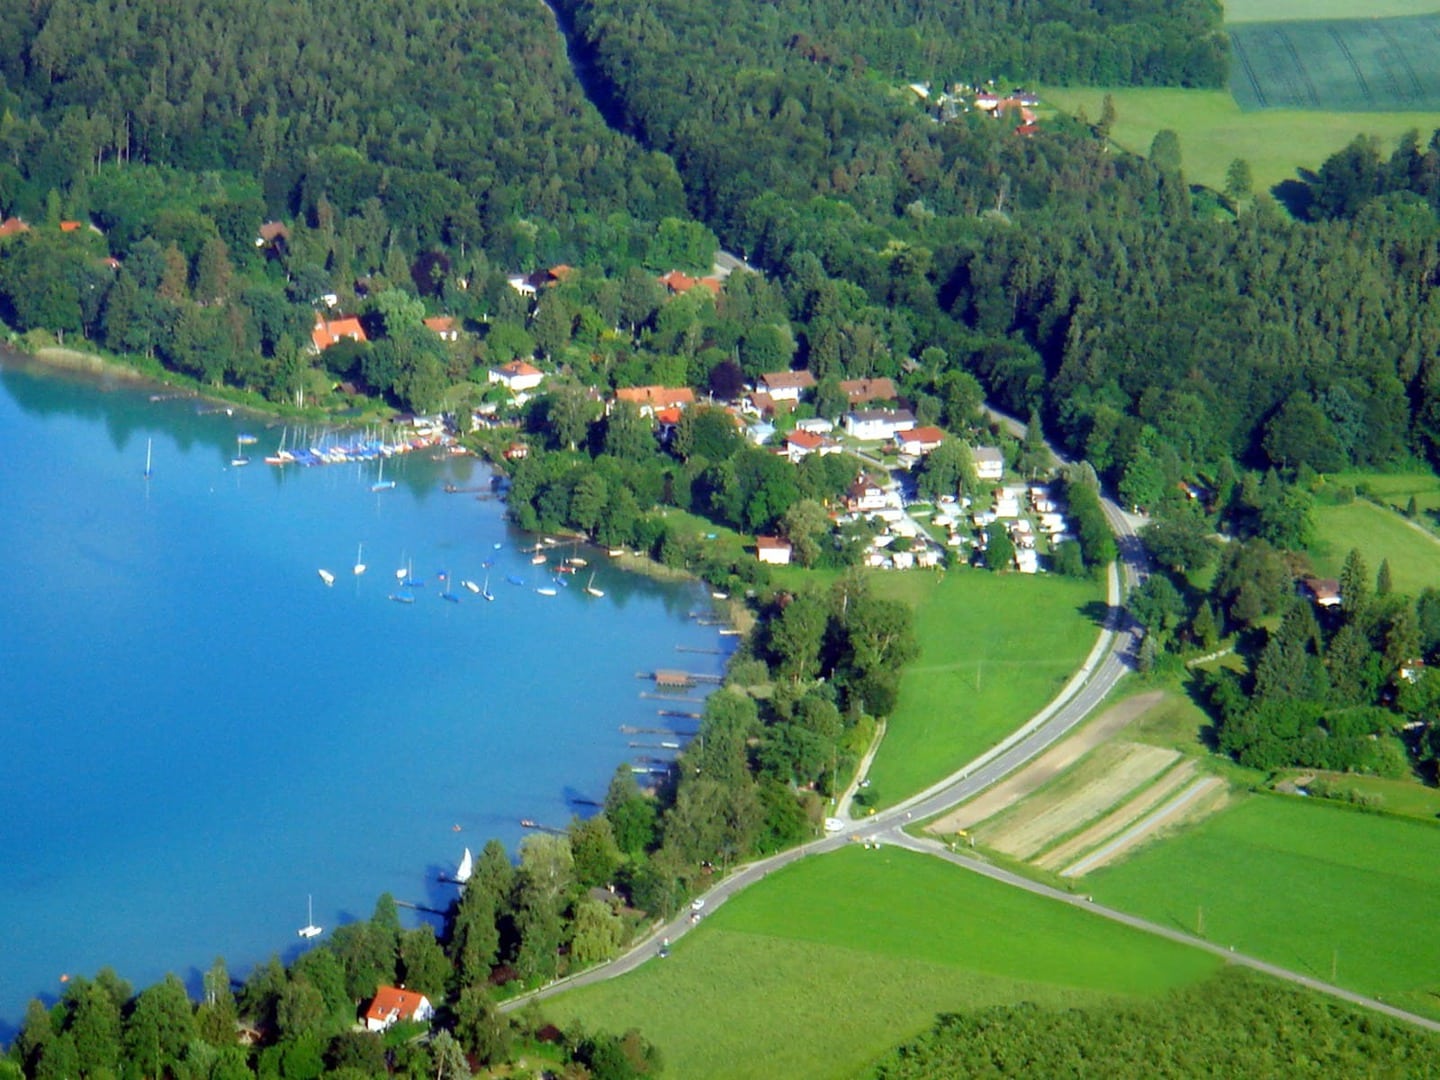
(1048, 765)
(1120, 818)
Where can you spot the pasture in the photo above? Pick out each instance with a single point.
(830, 962)
(994, 649)
(1379, 534)
(1248, 11)
(1213, 130)
(1309, 885)
(1342, 65)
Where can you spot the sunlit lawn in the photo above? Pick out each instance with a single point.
(823, 966)
(1306, 884)
(995, 648)
(1379, 534)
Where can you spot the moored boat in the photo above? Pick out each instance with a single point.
(326, 576)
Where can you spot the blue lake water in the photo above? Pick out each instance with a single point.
(196, 733)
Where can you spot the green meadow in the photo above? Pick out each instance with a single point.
(828, 963)
(1277, 143)
(1379, 534)
(994, 649)
(1243, 11)
(1309, 885)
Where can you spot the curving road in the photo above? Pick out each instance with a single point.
(1111, 658)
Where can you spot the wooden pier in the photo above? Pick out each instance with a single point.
(676, 713)
(674, 698)
(694, 649)
(683, 680)
(409, 905)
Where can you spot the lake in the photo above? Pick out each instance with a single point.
(198, 734)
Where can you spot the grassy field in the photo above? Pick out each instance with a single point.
(1243, 11)
(830, 962)
(1214, 132)
(1379, 534)
(1337, 64)
(1305, 884)
(994, 649)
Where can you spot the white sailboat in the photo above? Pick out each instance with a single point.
(310, 930)
(465, 869)
(149, 445)
(326, 576)
(381, 484)
(240, 458)
(359, 560)
(485, 589)
(590, 587)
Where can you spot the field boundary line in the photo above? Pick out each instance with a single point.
(1339, 40)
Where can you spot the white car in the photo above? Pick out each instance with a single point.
(697, 903)
(833, 824)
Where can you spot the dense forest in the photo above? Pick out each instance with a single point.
(1236, 1024)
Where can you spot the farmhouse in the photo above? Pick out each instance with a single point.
(989, 463)
(870, 424)
(393, 1004)
(786, 385)
(517, 376)
(679, 283)
(773, 550)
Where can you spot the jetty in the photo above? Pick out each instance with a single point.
(668, 745)
(630, 729)
(412, 906)
(672, 698)
(680, 715)
(696, 649)
(683, 680)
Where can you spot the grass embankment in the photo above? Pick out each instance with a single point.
(830, 962)
(994, 648)
(1380, 534)
(1309, 885)
(1214, 132)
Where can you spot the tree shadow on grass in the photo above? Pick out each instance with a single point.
(1098, 613)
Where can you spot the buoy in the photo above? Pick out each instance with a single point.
(65, 977)
(455, 827)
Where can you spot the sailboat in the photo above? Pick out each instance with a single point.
(149, 445)
(590, 586)
(448, 594)
(465, 869)
(359, 562)
(485, 589)
(470, 585)
(381, 484)
(326, 576)
(310, 930)
(240, 457)
(546, 590)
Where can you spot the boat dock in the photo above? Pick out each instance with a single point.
(630, 729)
(633, 745)
(411, 906)
(676, 713)
(683, 680)
(694, 649)
(674, 698)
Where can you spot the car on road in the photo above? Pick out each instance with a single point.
(833, 824)
(697, 903)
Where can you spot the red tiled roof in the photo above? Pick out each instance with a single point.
(12, 226)
(771, 543)
(69, 226)
(922, 435)
(657, 397)
(330, 333)
(394, 1004)
(860, 390)
(668, 416)
(805, 440)
(518, 367)
(678, 282)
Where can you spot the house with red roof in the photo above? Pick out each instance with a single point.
(392, 1004)
(333, 331)
(443, 327)
(651, 399)
(773, 550)
(864, 391)
(13, 227)
(919, 441)
(800, 444)
(518, 376)
(679, 283)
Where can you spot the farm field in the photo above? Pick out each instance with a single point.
(994, 648)
(1379, 534)
(1343, 64)
(831, 961)
(1309, 885)
(1277, 143)
(1243, 11)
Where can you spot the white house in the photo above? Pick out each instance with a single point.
(989, 463)
(878, 424)
(866, 494)
(1027, 561)
(801, 444)
(919, 441)
(517, 376)
(394, 1004)
(786, 385)
(773, 550)
(816, 425)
